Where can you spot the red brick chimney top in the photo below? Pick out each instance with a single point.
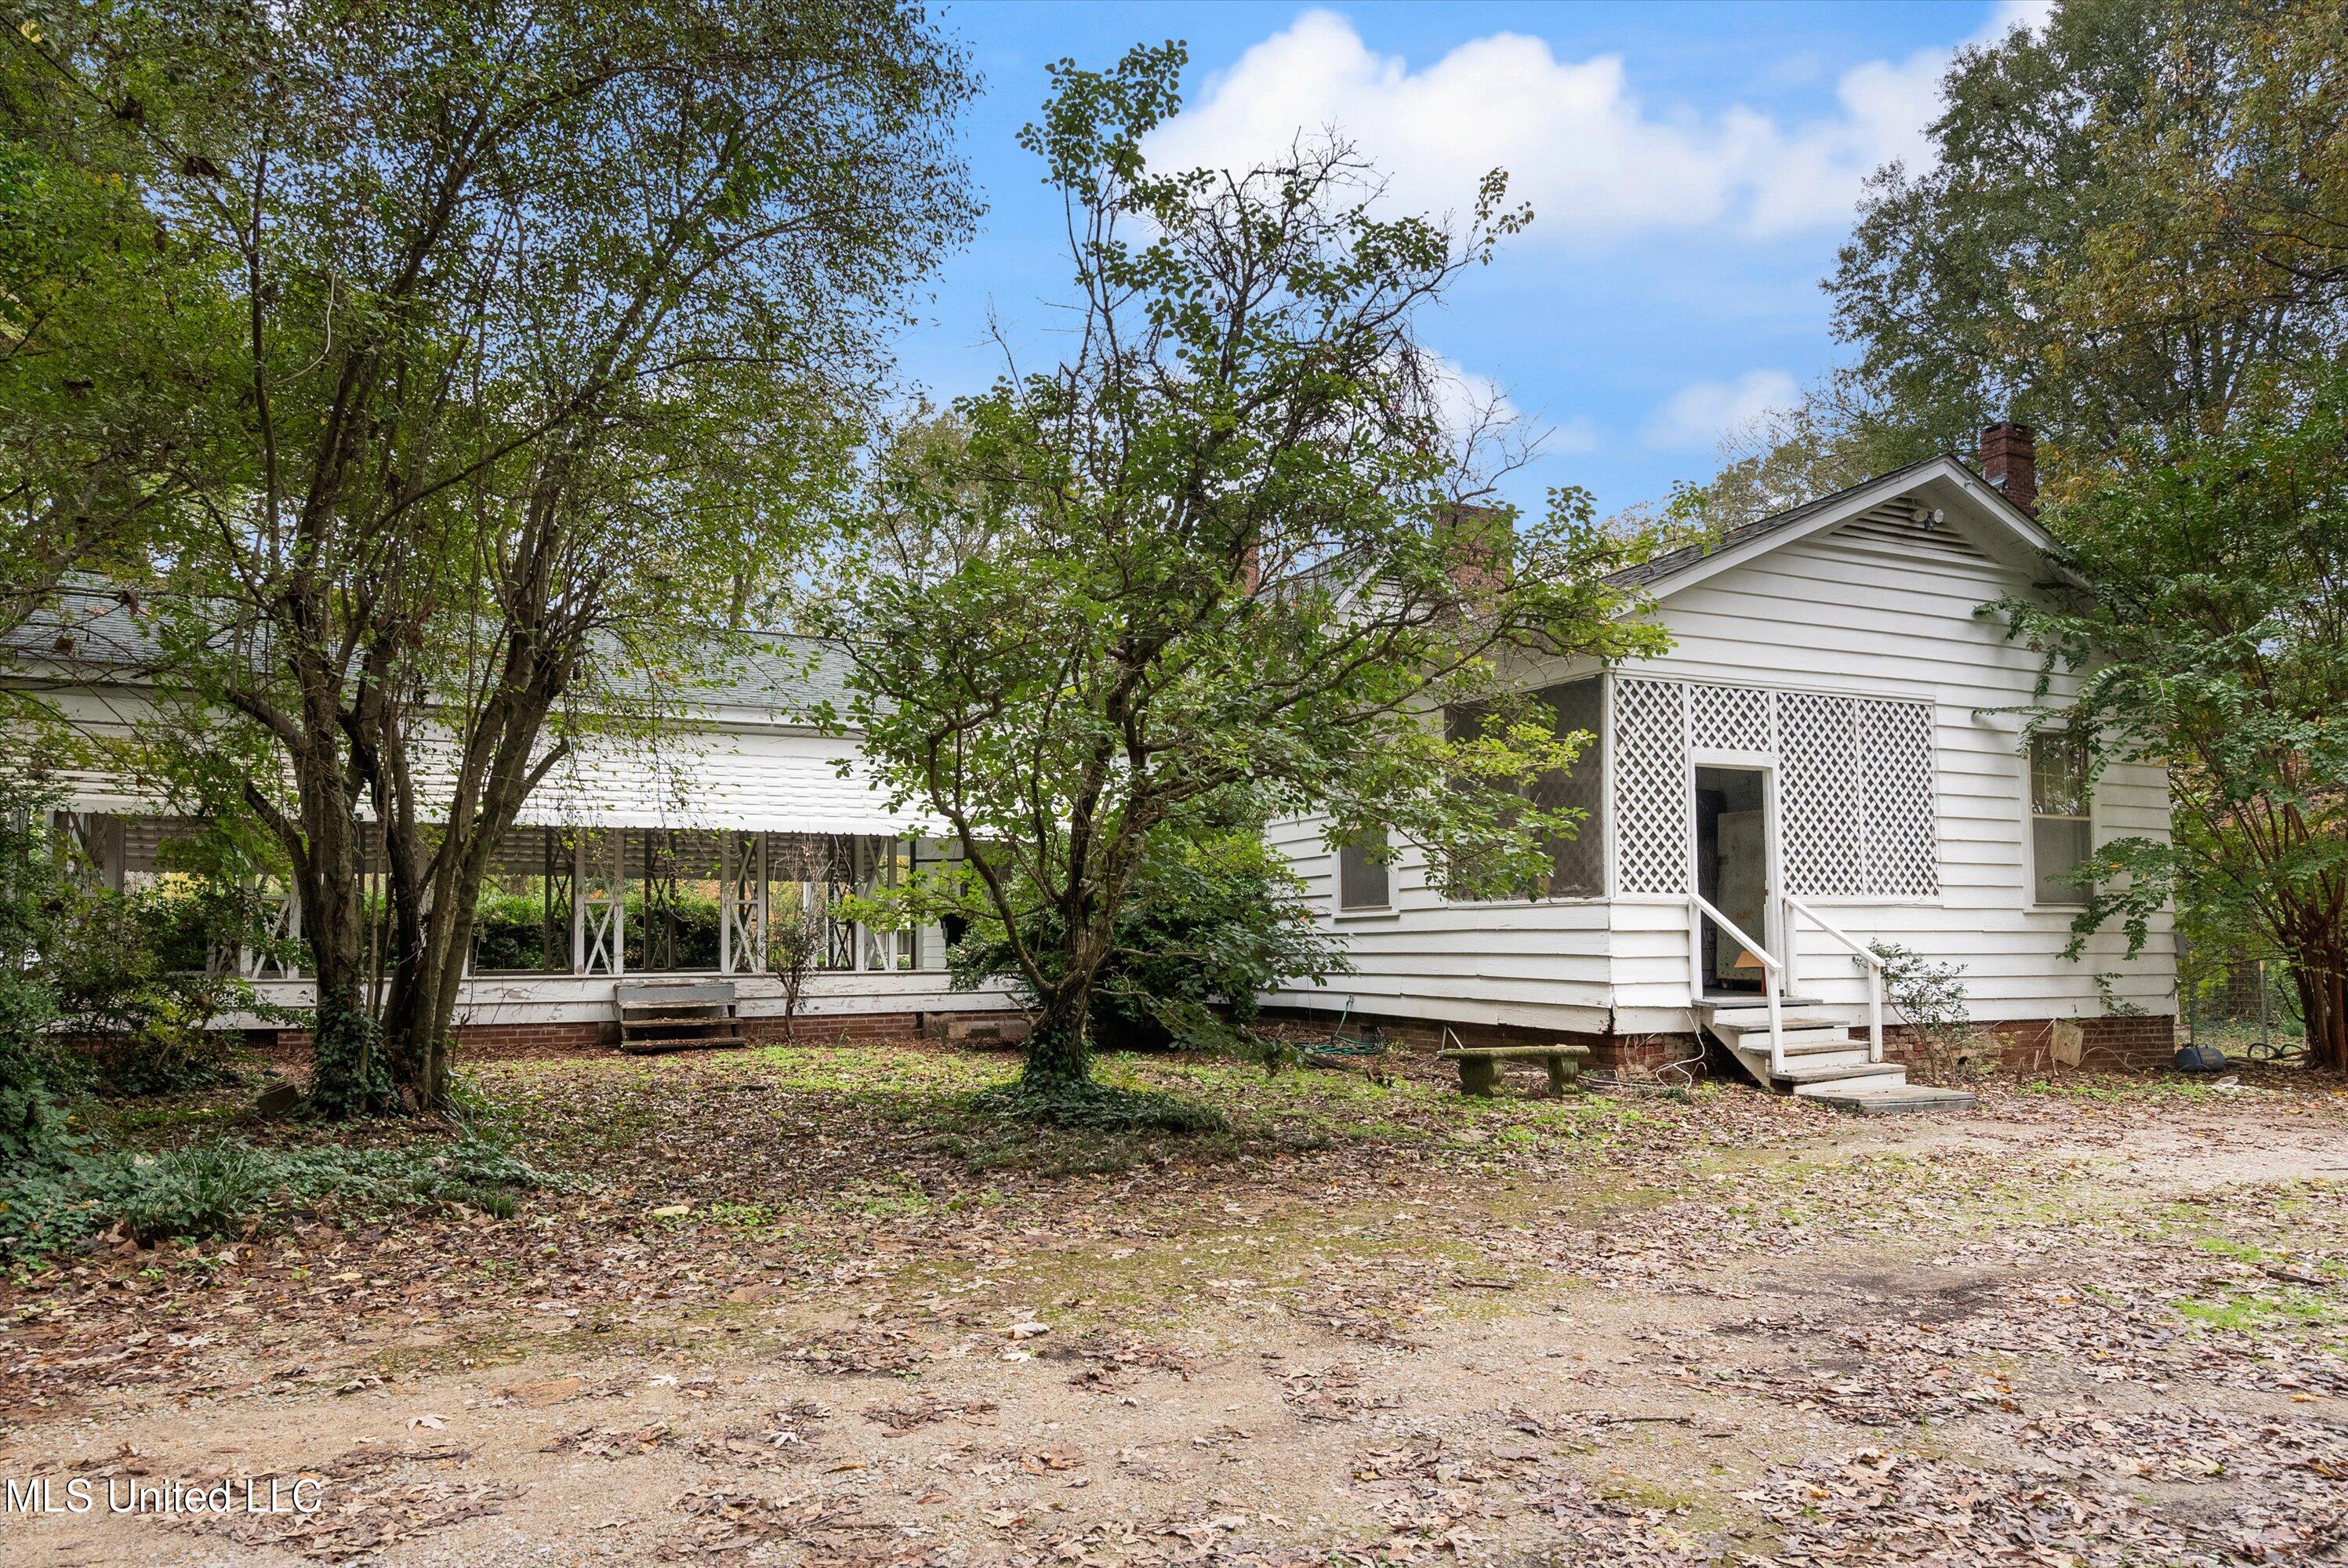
(2009, 459)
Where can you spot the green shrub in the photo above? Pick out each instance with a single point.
(1214, 920)
(133, 974)
(200, 1192)
(682, 935)
(33, 1075)
(231, 1186)
(510, 932)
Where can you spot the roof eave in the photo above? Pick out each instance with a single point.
(1851, 503)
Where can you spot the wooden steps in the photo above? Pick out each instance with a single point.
(1822, 1060)
(694, 1016)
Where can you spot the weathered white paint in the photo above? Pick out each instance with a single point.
(737, 768)
(494, 999)
(724, 768)
(1828, 606)
(748, 777)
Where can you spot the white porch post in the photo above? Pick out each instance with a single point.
(281, 921)
(578, 903)
(600, 910)
(1695, 953)
(616, 892)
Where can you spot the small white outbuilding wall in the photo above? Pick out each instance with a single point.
(1839, 654)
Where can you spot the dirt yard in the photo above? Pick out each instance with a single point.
(805, 1306)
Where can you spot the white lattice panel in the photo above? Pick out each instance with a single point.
(1819, 791)
(1895, 750)
(1734, 718)
(1651, 788)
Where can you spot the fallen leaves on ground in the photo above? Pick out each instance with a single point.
(370, 1498)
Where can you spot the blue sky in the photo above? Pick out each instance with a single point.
(1692, 169)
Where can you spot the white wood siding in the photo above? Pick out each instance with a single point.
(738, 771)
(1851, 610)
(1544, 963)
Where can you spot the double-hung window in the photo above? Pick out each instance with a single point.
(2062, 837)
(1364, 878)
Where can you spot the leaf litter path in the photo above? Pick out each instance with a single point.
(800, 1310)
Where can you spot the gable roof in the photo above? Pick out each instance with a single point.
(90, 632)
(1947, 479)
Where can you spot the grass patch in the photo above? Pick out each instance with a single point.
(1095, 1107)
(2258, 1312)
(2120, 1088)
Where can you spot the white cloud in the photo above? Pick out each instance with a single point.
(1468, 402)
(1698, 414)
(1595, 160)
(1579, 434)
(2007, 15)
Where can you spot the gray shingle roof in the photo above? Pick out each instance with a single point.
(94, 633)
(786, 674)
(85, 624)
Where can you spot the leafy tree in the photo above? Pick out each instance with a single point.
(550, 325)
(32, 891)
(2204, 607)
(1210, 922)
(2132, 219)
(2133, 216)
(1227, 541)
(795, 945)
(117, 333)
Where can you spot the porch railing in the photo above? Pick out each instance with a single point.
(1773, 971)
(1868, 961)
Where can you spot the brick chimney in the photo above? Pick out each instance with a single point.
(2009, 459)
(1478, 542)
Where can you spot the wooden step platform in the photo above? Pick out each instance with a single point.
(1907, 1099)
(692, 1016)
(1824, 1058)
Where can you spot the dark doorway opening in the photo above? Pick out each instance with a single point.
(1732, 871)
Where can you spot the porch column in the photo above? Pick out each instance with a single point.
(742, 898)
(578, 903)
(281, 921)
(599, 927)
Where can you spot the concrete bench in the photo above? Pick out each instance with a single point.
(1480, 1066)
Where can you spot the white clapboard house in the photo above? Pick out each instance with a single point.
(643, 878)
(1832, 754)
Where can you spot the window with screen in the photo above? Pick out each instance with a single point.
(1364, 880)
(2061, 837)
(1577, 863)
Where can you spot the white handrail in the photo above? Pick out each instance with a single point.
(1867, 957)
(1699, 908)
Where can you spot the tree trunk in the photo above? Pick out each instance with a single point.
(1057, 1050)
(436, 894)
(350, 1076)
(436, 923)
(421, 1013)
(2319, 962)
